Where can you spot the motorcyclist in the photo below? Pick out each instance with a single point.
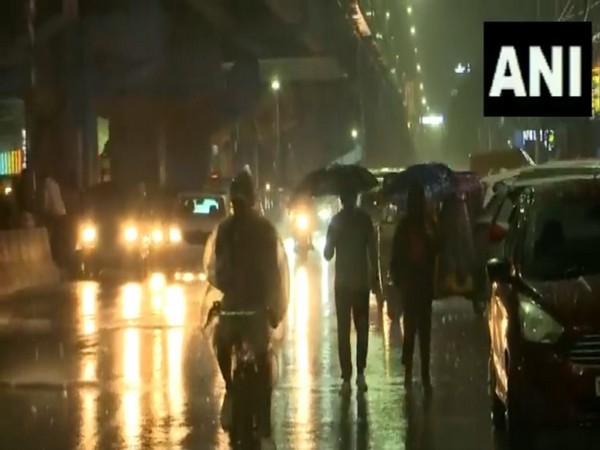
(247, 272)
(303, 218)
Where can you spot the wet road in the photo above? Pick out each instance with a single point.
(111, 366)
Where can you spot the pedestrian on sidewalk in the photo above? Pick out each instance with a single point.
(54, 213)
(351, 238)
(412, 267)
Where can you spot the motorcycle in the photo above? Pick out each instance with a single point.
(302, 233)
(245, 398)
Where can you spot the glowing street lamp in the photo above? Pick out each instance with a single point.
(354, 133)
(409, 10)
(424, 101)
(418, 67)
(421, 86)
(413, 30)
(275, 87)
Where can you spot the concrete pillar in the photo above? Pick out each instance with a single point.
(188, 146)
(134, 137)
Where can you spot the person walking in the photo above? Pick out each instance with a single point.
(351, 238)
(412, 267)
(54, 213)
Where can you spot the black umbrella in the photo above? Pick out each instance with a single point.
(336, 180)
(436, 178)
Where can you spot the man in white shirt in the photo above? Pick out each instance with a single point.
(54, 212)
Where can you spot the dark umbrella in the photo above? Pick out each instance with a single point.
(336, 180)
(437, 179)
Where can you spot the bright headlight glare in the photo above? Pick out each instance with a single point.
(131, 234)
(325, 214)
(157, 235)
(175, 234)
(536, 324)
(302, 221)
(88, 234)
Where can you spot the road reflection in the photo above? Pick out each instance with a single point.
(147, 341)
(302, 377)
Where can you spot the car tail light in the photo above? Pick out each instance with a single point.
(497, 233)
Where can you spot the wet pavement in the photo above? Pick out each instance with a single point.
(126, 366)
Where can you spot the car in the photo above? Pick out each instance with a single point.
(112, 233)
(490, 227)
(182, 232)
(544, 313)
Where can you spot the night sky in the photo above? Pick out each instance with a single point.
(450, 32)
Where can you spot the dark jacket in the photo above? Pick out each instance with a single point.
(351, 237)
(247, 263)
(414, 272)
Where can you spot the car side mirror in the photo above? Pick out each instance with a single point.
(499, 270)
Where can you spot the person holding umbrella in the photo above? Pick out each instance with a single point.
(412, 268)
(351, 239)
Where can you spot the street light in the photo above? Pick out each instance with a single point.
(421, 86)
(409, 10)
(354, 133)
(418, 67)
(275, 87)
(387, 15)
(413, 30)
(424, 101)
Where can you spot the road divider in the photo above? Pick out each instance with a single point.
(26, 261)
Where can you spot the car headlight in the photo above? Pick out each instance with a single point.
(302, 221)
(536, 324)
(325, 214)
(175, 235)
(131, 234)
(157, 236)
(89, 234)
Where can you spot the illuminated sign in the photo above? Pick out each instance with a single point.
(596, 91)
(546, 138)
(11, 163)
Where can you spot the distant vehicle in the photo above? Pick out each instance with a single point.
(544, 314)
(113, 232)
(184, 229)
(489, 163)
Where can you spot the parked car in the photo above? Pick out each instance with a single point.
(544, 314)
(490, 227)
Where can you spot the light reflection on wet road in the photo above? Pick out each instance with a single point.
(127, 367)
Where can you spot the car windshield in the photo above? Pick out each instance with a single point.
(108, 201)
(563, 239)
(202, 206)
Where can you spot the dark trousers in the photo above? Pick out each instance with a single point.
(417, 321)
(352, 304)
